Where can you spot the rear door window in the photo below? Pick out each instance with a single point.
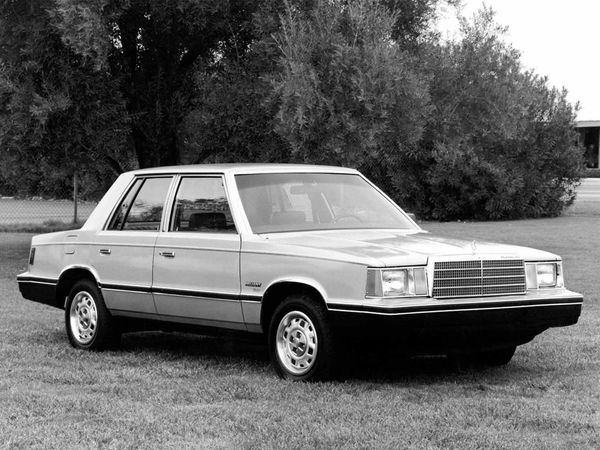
(143, 205)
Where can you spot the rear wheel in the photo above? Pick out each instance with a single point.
(301, 342)
(89, 324)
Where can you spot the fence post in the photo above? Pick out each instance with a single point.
(75, 196)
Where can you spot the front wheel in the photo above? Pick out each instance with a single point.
(89, 324)
(301, 342)
(497, 357)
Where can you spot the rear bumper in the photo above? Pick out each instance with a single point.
(460, 323)
(37, 289)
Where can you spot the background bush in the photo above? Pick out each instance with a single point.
(499, 143)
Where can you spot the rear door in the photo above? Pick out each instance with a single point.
(122, 252)
(196, 275)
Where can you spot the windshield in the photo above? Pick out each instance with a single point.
(315, 201)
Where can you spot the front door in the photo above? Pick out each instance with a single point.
(196, 261)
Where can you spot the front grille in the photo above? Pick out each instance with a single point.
(478, 278)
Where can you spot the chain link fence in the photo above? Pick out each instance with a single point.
(46, 208)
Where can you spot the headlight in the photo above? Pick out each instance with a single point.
(395, 282)
(544, 275)
(405, 282)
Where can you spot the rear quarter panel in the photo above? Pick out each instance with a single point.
(49, 255)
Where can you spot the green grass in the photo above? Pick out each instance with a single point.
(180, 391)
(584, 208)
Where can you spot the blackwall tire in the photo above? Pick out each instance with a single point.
(493, 358)
(301, 342)
(88, 323)
(499, 357)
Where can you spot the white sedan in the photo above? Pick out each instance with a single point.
(314, 257)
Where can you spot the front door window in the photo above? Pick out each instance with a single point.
(201, 206)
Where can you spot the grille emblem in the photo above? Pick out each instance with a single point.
(474, 247)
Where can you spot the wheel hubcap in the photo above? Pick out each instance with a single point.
(83, 317)
(296, 342)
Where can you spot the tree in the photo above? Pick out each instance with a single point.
(413, 24)
(231, 117)
(101, 79)
(347, 93)
(153, 49)
(500, 141)
(58, 114)
(233, 113)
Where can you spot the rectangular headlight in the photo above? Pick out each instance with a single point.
(395, 282)
(404, 282)
(544, 275)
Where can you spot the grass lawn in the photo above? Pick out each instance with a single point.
(181, 391)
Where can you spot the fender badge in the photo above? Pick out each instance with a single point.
(253, 284)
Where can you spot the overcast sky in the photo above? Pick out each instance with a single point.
(556, 38)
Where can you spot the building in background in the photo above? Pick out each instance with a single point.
(588, 136)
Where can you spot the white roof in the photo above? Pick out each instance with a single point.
(587, 123)
(243, 168)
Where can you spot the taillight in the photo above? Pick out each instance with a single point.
(31, 256)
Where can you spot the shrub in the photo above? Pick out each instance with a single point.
(499, 143)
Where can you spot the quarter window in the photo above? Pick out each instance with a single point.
(143, 206)
(201, 206)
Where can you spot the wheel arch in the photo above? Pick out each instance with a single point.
(68, 277)
(279, 290)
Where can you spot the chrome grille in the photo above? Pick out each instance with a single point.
(476, 278)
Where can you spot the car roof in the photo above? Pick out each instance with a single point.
(242, 168)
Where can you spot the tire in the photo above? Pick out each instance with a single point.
(494, 358)
(499, 357)
(89, 324)
(300, 340)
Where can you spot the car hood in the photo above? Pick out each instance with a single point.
(394, 248)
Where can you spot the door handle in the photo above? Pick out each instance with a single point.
(105, 251)
(167, 254)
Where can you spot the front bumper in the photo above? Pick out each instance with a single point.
(459, 323)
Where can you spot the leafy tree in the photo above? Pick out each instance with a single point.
(153, 49)
(347, 93)
(414, 18)
(499, 143)
(58, 114)
(233, 113)
(89, 81)
(230, 119)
